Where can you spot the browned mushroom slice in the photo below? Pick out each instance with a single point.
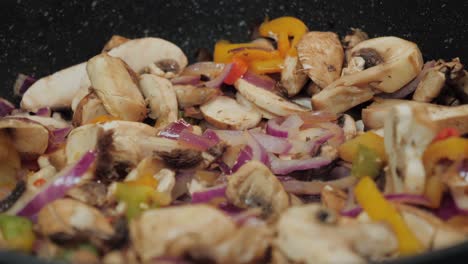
(91, 193)
(333, 198)
(66, 220)
(444, 116)
(254, 185)
(341, 98)
(267, 100)
(321, 56)
(161, 98)
(189, 95)
(87, 109)
(114, 85)
(113, 42)
(299, 227)
(59, 89)
(293, 77)
(225, 113)
(29, 138)
(408, 131)
(355, 37)
(175, 231)
(246, 103)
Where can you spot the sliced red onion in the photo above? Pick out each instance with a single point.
(186, 80)
(283, 167)
(224, 167)
(44, 111)
(411, 86)
(315, 187)
(258, 152)
(207, 195)
(22, 84)
(216, 82)
(448, 208)
(57, 138)
(352, 212)
(210, 69)
(245, 155)
(173, 130)
(312, 118)
(287, 128)
(57, 188)
(232, 137)
(272, 144)
(5, 107)
(210, 134)
(262, 81)
(337, 132)
(195, 141)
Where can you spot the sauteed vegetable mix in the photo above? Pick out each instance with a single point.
(295, 147)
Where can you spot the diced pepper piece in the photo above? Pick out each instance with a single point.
(222, 50)
(434, 191)
(17, 232)
(266, 66)
(253, 54)
(239, 67)
(366, 163)
(446, 133)
(102, 119)
(281, 29)
(452, 148)
(379, 209)
(349, 149)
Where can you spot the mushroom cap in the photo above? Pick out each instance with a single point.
(29, 137)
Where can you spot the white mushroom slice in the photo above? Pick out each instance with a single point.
(225, 113)
(114, 42)
(246, 103)
(29, 138)
(54, 122)
(349, 127)
(87, 109)
(443, 116)
(341, 98)
(333, 198)
(59, 89)
(189, 95)
(79, 95)
(303, 101)
(161, 98)
(254, 185)
(175, 231)
(321, 56)
(116, 88)
(293, 77)
(267, 100)
(430, 86)
(391, 63)
(300, 226)
(408, 131)
(68, 218)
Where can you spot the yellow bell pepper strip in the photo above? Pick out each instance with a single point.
(222, 50)
(374, 204)
(366, 163)
(266, 66)
(17, 232)
(281, 29)
(102, 119)
(434, 191)
(348, 150)
(452, 148)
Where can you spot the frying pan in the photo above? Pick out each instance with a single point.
(41, 37)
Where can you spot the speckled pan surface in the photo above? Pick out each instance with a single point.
(41, 37)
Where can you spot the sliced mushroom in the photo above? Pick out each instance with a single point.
(52, 123)
(408, 131)
(87, 109)
(176, 231)
(114, 42)
(66, 220)
(300, 226)
(59, 89)
(293, 77)
(91, 193)
(254, 185)
(29, 138)
(355, 37)
(189, 95)
(116, 88)
(161, 98)
(349, 127)
(443, 116)
(389, 64)
(246, 103)
(267, 100)
(321, 56)
(333, 198)
(225, 113)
